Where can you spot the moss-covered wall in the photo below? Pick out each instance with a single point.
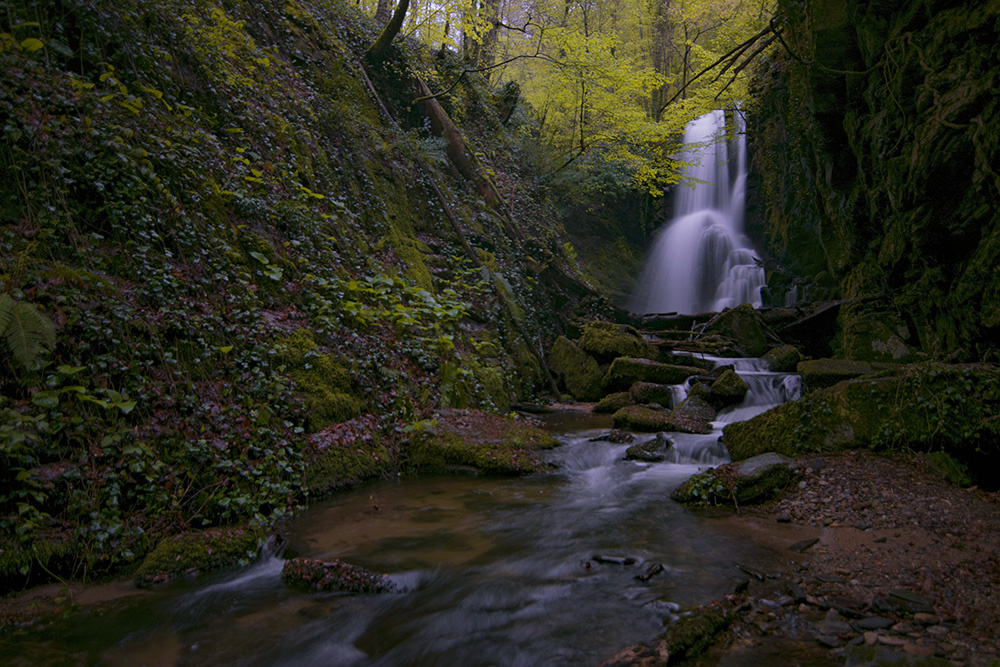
(876, 147)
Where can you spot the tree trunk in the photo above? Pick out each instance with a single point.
(377, 51)
(383, 11)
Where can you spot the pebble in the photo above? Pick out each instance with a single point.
(874, 623)
(926, 619)
(937, 630)
(889, 640)
(871, 638)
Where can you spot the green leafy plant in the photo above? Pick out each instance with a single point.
(25, 331)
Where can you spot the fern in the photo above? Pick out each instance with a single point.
(24, 331)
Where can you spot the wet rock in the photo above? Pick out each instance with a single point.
(638, 418)
(626, 371)
(874, 623)
(802, 545)
(333, 575)
(606, 341)
(613, 560)
(651, 451)
(575, 370)
(729, 389)
(614, 402)
(655, 654)
(833, 625)
(782, 359)
(491, 444)
(650, 571)
(694, 409)
(744, 326)
(650, 392)
(615, 436)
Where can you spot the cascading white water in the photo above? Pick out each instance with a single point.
(701, 261)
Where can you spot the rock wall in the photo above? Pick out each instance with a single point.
(876, 152)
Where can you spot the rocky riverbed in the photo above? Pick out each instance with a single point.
(906, 566)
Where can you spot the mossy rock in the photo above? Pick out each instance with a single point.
(195, 552)
(820, 373)
(607, 341)
(783, 359)
(867, 333)
(21, 567)
(614, 402)
(626, 371)
(729, 389)
(576, 371)
(639, 418)
(344, 465)
(693, 634)
(324, 381)
(651, 451)
(926, 406)
(490, 444)
(650, 392)
(744, 326)
(334, 575)
(694, 408)
(753, 481)
(466, 382)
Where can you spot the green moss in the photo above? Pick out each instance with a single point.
(953, 470)
(729, 389)
(491, 444)
(724, 486)
(624, 372)
(607, 341)
(650, 392)
(614, 402)
(343, 466)
(325, 383)
(468, 383)
(639, 418)
(575, 370)
(783, 359)
(693, 634)
(200, 551)
(820, 373)
(21, 567)
(744, 326)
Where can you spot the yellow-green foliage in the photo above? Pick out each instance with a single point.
(199, 551)
(325, 383)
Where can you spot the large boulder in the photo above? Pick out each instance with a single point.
(638, 418)
(614, 402)
(694, 408)
(744, 326)
(607, 341)
(752, 481)
(195, 552)
(783, 359)
(820, 373)
(577, 372)
(729, 389)
(925, 406)
(626, 371)
(651, 392)
(650, 451)
(488, 444)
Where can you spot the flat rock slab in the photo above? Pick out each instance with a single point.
(334, 575)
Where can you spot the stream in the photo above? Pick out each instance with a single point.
(492, 571)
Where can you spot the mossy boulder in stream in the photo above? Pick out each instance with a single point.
(575, 370)
(457, 440)
(197, 551)
(783, 359)
(607, 341)
(651, 392)
(752, 481)
(639, 418)
(625, 371)
(927, 406)
(614, 402)
(333, 575)
(729, 389)
(744, 326)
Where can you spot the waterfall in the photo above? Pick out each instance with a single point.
(701, 261)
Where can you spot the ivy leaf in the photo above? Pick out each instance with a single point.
(260, 257)
(32, 44)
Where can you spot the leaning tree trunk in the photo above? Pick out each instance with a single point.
(376, 52)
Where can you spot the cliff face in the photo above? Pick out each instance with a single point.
(877, 149)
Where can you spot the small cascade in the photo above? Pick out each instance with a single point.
(701, 261)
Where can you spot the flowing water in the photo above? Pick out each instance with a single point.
(491, 571)
(701, 261)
